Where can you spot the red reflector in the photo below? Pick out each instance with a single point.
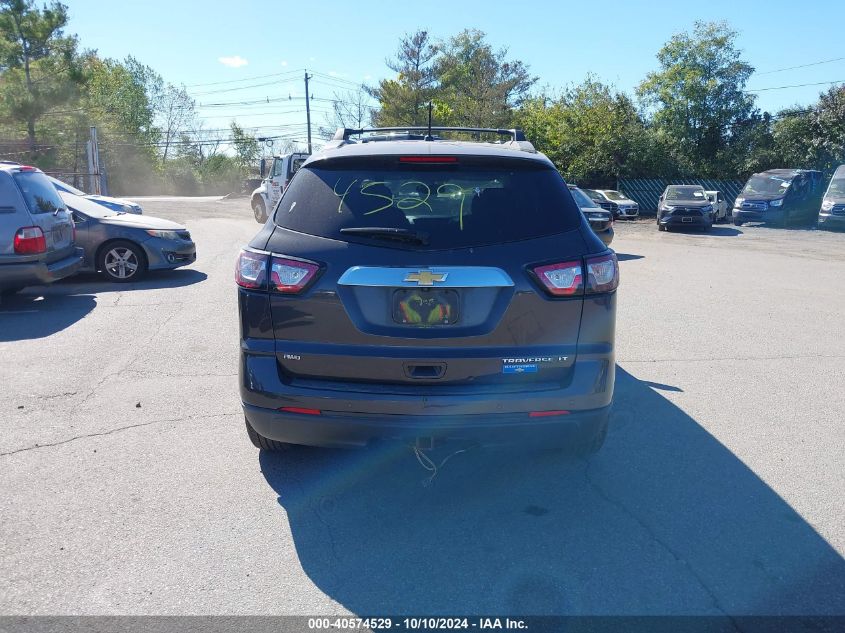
(428, 159)
(300, 410)
(546, 414)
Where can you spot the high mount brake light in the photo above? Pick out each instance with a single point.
(261, 271)
(567, 279)
(30, 240)
(428, 159)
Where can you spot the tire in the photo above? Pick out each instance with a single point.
(708, 227)
(661, 227)
(259, 210)
(117, 259)
(265, 444)
(737, 222)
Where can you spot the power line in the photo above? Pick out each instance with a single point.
(780, 70)
(820, 83)
(337, 79)
(254, 77)
(235, 89)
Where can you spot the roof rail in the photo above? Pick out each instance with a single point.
(343, 133)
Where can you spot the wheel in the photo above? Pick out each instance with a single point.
(737, 222)
(259, 210)
(661, 227)
(708, 227)
(122, 261)
(259, 441)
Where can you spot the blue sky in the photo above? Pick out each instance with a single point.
(185, 41)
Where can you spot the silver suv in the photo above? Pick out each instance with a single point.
(36, 231)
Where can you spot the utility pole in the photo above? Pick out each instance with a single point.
(308, 109)
(94, 162)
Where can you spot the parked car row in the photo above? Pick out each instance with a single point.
(49, 232)
(778, 196)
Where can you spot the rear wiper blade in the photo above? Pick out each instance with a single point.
(388, 233)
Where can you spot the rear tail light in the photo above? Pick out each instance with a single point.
(30, 241)
(602, 274)
(567, 279)
(291, 276)
(251, 270)
(561, 280)
(261, 271)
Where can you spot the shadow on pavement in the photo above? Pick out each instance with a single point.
(664, 520)
(40, 311)
(30, 316)
(92, 282)
(625, 257)
(716, 231)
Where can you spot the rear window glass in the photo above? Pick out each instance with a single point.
(582, 199)
(454, 205)
(614, 195)
(40, 194)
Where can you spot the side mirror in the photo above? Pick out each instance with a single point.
(263, 168)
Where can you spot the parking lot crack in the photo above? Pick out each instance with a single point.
(662, 543)
(113, 431)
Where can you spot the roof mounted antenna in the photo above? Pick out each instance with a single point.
(428, 136)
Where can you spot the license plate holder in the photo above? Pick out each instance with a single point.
(686, 219)
(425, 307)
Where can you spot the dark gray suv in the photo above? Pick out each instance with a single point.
(426, 289)
(36, 231)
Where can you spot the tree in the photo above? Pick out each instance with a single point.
(37, 61)
(404, 100)
(593, 134)
(479, 87)
(698, 97)
(246, 146)
(352, 109)
(175, 114)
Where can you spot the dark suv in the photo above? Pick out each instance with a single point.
(419, 290)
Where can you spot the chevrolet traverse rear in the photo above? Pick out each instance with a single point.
(425, 289)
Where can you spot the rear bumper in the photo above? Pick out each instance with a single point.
(606, 236)
(357, 417)
(37, 273)
(336, 429)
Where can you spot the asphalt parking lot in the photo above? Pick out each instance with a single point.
(129, 486)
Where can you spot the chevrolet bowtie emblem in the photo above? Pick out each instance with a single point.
(426, 277)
